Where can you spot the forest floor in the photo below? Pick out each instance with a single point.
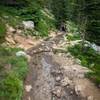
(55, 75)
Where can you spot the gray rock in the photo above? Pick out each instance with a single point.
(28, 24)
(95, 47)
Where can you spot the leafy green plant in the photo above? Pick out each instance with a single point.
(11, 88)
(42, 27)
(2, 31)
(72, 37)
(72, 27)
(89, 58)
(13, 70)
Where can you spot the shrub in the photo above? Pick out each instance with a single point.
(2, 31)
(42, 27)
(72, 37)
(13, 70)
(11, 88)
(89, 58)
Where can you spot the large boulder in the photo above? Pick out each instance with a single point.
(28, 24)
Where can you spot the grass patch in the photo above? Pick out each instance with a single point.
(14, 17)
(89, 58)
(12, 73)
(2, 31)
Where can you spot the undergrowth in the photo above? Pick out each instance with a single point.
(14, 17)
(89, 58)
(13, 70)
(2, 31)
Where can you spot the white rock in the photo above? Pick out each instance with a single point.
(28, 88)
(78, 61)
(95, 47)
(90, 98)
(21, 53)
(11, 29)
(86, 45)
(58, 78)
(28, 24)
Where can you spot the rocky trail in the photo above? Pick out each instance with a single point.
(56, 75)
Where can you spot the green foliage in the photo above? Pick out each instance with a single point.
(33, 11)
(72, 27)
(81, 10)
(59, 10)
(2, 31)
(42, 28)
(89, 58)
(93, 26)
(11, 88)
(13, 70)
(73, 37)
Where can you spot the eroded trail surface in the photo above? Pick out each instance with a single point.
(56, 76)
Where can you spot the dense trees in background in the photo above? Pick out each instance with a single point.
(59, 9)
(92, 10)
(84, 13)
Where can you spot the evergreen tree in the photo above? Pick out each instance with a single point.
(59, 10)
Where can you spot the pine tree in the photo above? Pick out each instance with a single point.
(59, 10)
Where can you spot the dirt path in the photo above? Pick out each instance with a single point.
(56, 76)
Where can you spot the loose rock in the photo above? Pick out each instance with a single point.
(28, 24)
(21, 53)
(57, 91)
(65, 81)
(28, 88)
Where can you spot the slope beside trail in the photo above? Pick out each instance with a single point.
(55, 75)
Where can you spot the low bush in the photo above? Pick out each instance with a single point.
(13, 70)
(42, 28)
(89, 58)
(73, 37)
(2, 31)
